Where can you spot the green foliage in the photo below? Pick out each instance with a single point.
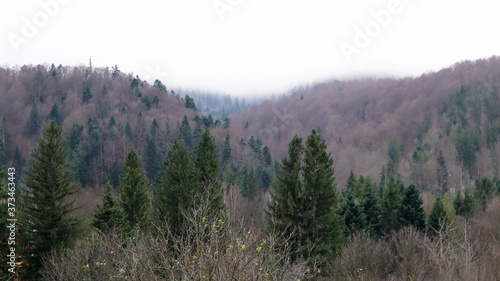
(159, 85)
(355, 218)
(153, 160)
(309, 206)
(371, 210)
(442, 173)
(134, 83)
(390, 205)
(176, 187)
(251, 185)
(74, 136)
(457, 108)
(47, 221)
(484, 191)
(226, 124)
(185, 133)
(134, 193)
(467, 143)
(411, 211)
(109, 216)
(464, 206)
(128, 131)
(33, 124)
(226, 154)
(189, 103)
(86, 95)
(438, 219)
(266, 155)
(394, 151)
(54, 114)
(207, 163)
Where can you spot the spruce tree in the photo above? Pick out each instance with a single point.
(321, 203)
(185, 133)
(33, 124)
(134, 193)
(390, 204)
(437, 218)
(266, 155)
(54, 114)
(226, 154)
(442, 173)
(153, 162)
(355, 219)
(371, 210)
(177, 187)
(47, 221)
(86, 95)
(207, 163)
(251, 185)
(285, 216)
(411, 211)
(110, 215)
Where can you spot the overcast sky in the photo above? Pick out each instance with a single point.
(249, 47)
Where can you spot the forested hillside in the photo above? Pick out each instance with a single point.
(114, 178)
(401, 124)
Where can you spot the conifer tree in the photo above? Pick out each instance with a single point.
(177, 187)
(86, 95)
(134, 193)
(321, 203)
(437, 218)
(355, 219)
(153, 162)
(110, 215)
(207, 162)
(266, 155)
(390, 204)
(185, 133)
(285, 215)
(54, 114)
(442, 173)
(128, 131)
(371, 210)
(47, 221)
(226, 154)
(33, 124)
(189, 103)
(251, 185)
(411, 211)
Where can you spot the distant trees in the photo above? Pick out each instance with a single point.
(47, 220)
(442, 173)
(33, 124)
(86, 95)
(54, 114)
(189, 103)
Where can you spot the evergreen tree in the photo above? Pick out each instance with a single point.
(110, 215)
(252, 186)
(390, 204)
(87, 95)
(321, 203)
(47, 221)
(177, 187)
(153, 160)
(266, 155)
(189, 103)
(411, 211)
(285, 215)
(437, 218)
(185, 133)
(467, 204)
(207, 162)
(226, 154)
(33, 124)
(128, 131)
(382, 181)
(54, 114)
(134, 193)
(458, 203)
(442, 174)
(371, 210)
(484, 191)
(3, 157)
(197, 132)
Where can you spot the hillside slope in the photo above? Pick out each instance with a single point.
(359, 119)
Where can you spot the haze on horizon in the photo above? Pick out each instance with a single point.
(244, 47)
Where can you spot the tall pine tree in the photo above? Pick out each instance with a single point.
(390, 204)
(411, 211)
(134, 193)
(207, 162)
(177, 187)
(47, 222)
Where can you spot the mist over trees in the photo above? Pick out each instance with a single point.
(370, 179)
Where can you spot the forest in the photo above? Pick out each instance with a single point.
(367, 179)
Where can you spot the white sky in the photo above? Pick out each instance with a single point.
(258, 47)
